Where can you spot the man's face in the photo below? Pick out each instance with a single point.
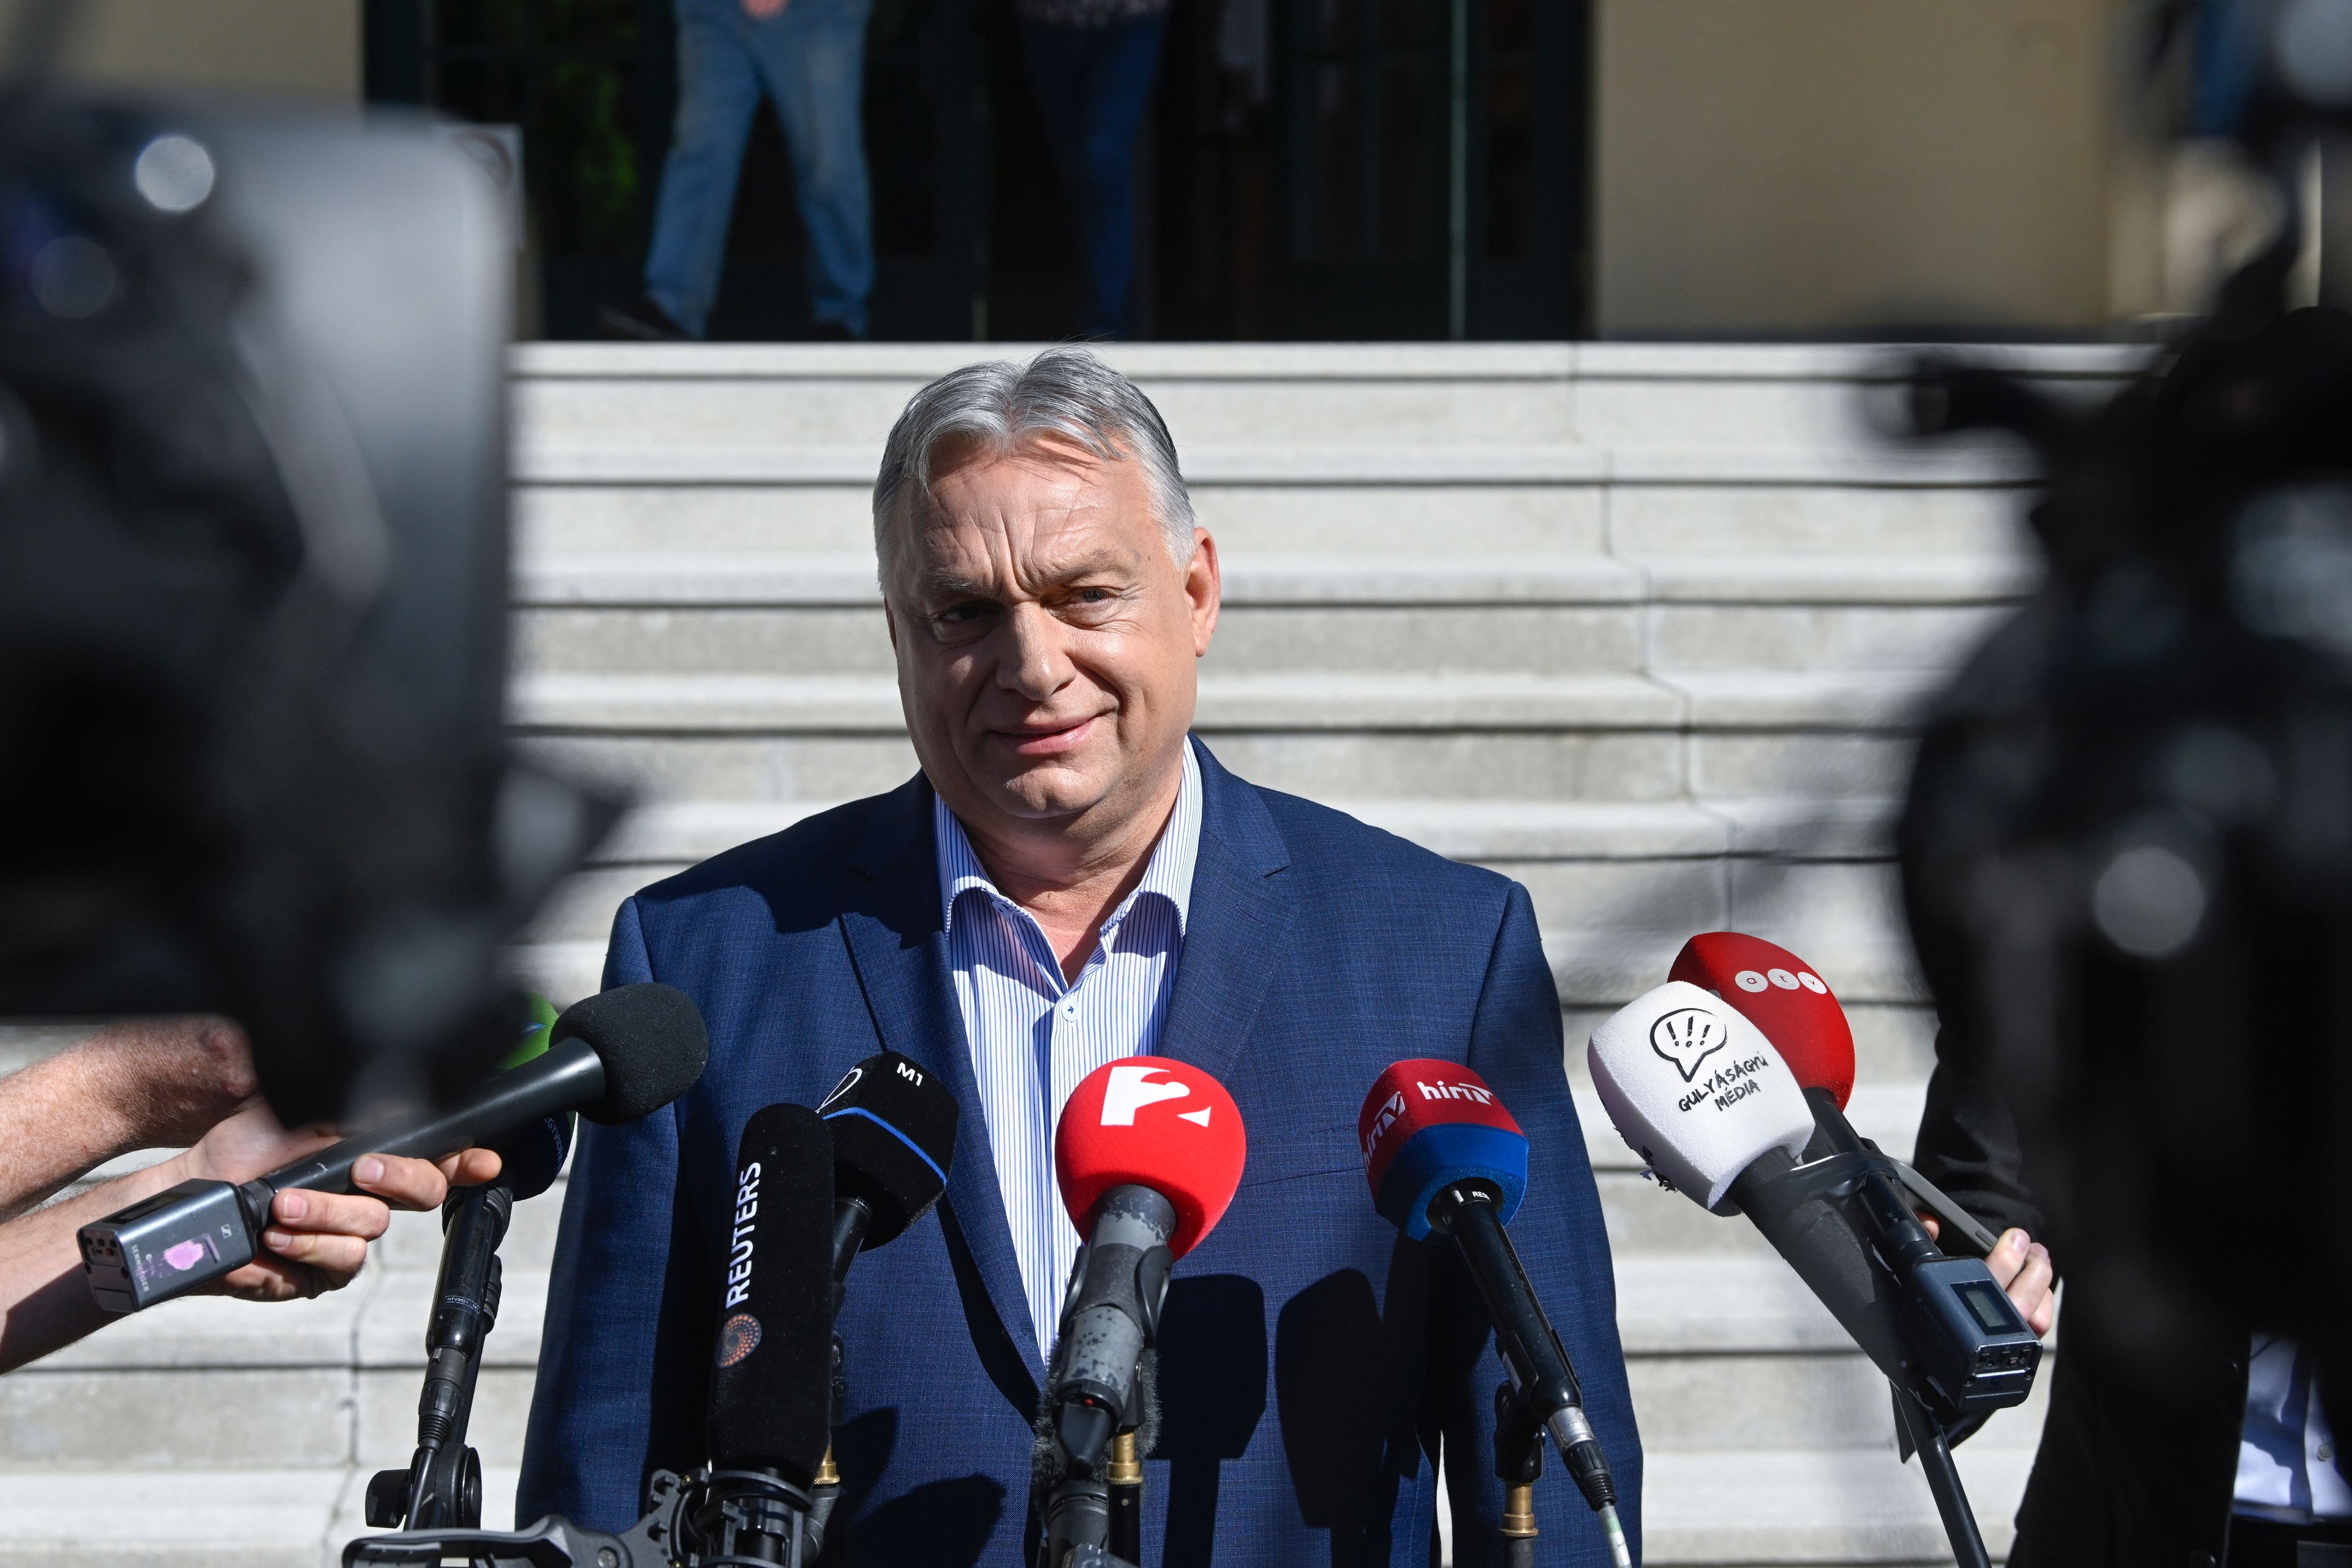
(1046, 641)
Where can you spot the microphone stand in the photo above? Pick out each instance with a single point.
(1929, 1438)
(442, 1487)
(1519, 1463)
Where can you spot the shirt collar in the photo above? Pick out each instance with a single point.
(1169, 872)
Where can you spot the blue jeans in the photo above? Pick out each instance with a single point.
(810, 59)
(1092, 84)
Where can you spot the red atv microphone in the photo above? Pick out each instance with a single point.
(1795, 1009)
(1148, 1153)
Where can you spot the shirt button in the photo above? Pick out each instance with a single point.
(2327, 1452)
(1069, 1009)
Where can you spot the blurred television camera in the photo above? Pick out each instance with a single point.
(253, 589)
(2128, 846)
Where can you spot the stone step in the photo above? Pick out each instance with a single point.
(669, 577)
(1691, 514)
(1483, 701)
(1677, 397)
(1818, 1506)
(1406, 640)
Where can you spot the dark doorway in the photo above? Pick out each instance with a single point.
(1351, 170)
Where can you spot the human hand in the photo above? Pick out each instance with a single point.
(761, 10)
(2021, 1266)
(317, 1241)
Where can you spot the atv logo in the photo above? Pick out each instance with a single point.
(1475, 1093)
(1390, 1114)
(1687, 1037)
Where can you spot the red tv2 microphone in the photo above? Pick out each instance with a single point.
(1148, 1153)
(1446, 1160)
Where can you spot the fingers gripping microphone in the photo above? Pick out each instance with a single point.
(771, 1378)
(615, 1057)
(1148, 1154)
(1446, 1159)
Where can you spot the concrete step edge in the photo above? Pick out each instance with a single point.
(541, 459)
(1301, 700)
(666, 579)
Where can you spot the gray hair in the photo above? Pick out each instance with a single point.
(998, 404)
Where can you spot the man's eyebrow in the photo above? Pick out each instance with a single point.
(948, 585)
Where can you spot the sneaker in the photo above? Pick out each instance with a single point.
(641, 321)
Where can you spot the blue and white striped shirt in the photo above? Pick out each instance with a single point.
(1034, 1037)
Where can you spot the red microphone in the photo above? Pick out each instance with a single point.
(1778, 993)
(1148, 1154)
(1794, 1008)
(1148, 1122)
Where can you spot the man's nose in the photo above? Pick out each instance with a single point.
(1035, 664)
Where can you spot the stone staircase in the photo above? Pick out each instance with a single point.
(1641, 626)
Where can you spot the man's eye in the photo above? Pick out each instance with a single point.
(970, 610)
(1093, 596)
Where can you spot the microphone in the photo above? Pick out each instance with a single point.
(1148, 1154)
(1797, 1011)
(616, 1058)
(1446, 1159)
(442, 1485)
(1939, 1328)
(771, 1375)
(894, 1127)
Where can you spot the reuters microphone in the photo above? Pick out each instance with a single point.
(1148, 1155)
(772, 1372)
(1444, 1159)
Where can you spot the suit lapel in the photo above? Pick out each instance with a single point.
(896, 942)
(1239, 913)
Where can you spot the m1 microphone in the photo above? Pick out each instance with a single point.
(1446, 1159)
(772, 1372)
(616, 1058)
(1148, 1154)
(894, 1128)
(1797, 1011)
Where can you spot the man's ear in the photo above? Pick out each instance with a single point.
(1205, 584)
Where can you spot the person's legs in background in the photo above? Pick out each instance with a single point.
(813, 54)
(1092, 84)
(718, 89)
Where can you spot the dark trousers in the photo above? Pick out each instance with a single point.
(2264, 1544)
(1091, 85)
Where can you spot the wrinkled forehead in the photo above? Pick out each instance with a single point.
(1046, 510)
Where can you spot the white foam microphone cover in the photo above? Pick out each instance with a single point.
(1696, 1089)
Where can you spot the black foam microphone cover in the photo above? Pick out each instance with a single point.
(894, 1127)
(772, 1373)
(651, 1040)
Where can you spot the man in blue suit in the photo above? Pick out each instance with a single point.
(1070, 879)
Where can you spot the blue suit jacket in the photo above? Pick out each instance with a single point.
(1310, 1354)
